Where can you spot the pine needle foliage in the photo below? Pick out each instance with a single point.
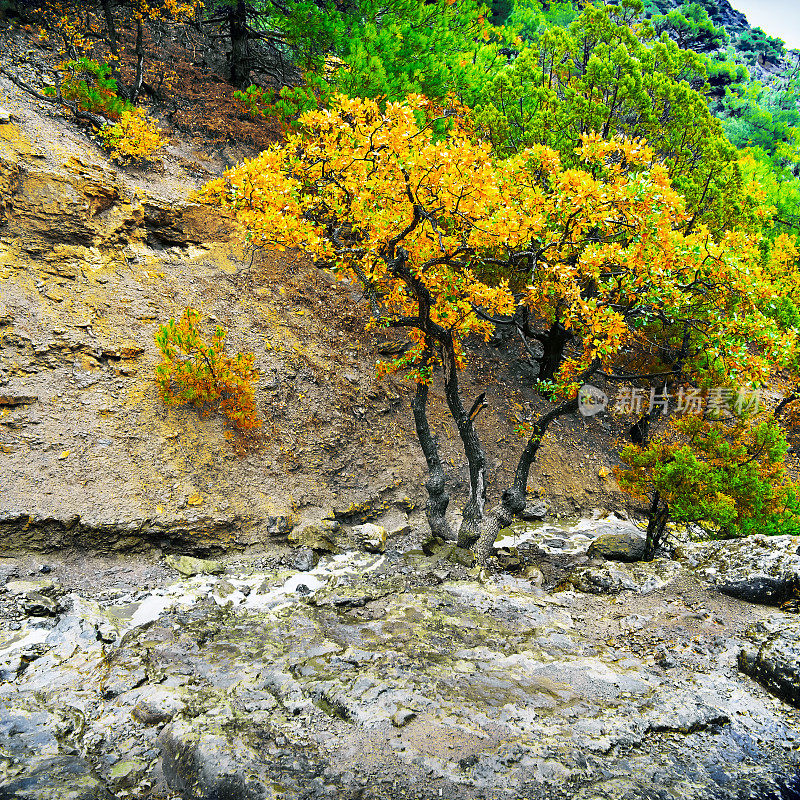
(91, 85)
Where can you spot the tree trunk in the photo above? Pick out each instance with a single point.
(438, 497)
(475, 507)
(240, 49)
(499, 517)
(790, 398)
(656, 525)
(553, 342)
(113, 44)
(515, 496)
(137, 81)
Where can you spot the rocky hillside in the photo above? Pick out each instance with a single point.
(93, 259)
(721, 12)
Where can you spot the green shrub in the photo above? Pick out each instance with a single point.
(730, 477)
(91, 87)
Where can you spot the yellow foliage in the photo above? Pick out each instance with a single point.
(135, 138)
(421, 219)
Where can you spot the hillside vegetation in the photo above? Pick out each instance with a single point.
(609, 194)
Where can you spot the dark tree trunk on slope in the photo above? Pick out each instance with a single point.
(240, 45)
(790, 398)
(475, 506)
(441, 339)
(658, 516)
(639, 432)
(113, 42)
(553, 342)
(515, 496)
(478, 526)
(139, 77)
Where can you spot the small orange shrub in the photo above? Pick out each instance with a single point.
(196, 372)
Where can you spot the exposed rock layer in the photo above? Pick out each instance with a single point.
(386, 676)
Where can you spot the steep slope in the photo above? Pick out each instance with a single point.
(721, 12)
(92, 259)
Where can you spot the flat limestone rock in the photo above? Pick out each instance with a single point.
(375, 682)
(188, 565)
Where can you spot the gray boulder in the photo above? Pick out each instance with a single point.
(762, 589)
(534, 511)
(64, 777)
(772, 657)
(732, 561)
(37, 598)
(8, 570)
(200, 761)
(39, 605)
(201, 765)
(626, 546)
(315, 534)
(305, 559)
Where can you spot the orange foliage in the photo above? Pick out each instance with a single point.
(196, 372)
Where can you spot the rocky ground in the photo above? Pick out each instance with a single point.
(401, 674)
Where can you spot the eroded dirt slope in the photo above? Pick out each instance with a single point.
(93, 259)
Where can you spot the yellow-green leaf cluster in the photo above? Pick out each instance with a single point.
(198, 372)
(444, 236)
(135, 137)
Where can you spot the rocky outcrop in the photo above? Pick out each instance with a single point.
(188, 566)
(726, 15)
(764, 589)
(170, 224)
(385, 676)
(72, 204)
(199, 534)
(371, 537)
(772, 657)
(756, 568)
(722, 13)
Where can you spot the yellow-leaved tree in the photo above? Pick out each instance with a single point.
(449, 241)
